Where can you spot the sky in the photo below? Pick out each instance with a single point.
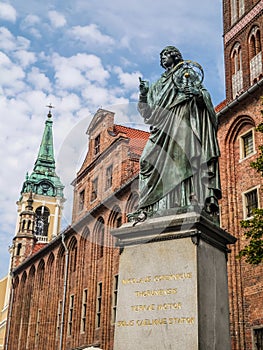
(79, 56)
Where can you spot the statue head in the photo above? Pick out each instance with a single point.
(174, 53)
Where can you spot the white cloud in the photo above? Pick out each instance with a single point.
(25, 58)
(128, 80)
(91, 33)
(31, 24)
(76, 71)
(39, 80)
(7, 12)
(57, 19)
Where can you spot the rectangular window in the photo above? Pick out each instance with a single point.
(59, 317)
(258, 338)
(109, 172)
(37, 326)
(70, 314)
(97, 145)
(247, 144)
(114, 298)
(250, 202)
(98, 306)
(94, 190)
(81, 200)
(84, 311)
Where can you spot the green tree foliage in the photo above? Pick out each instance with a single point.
(253, 251)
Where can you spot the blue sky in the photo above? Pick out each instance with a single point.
(81, 56)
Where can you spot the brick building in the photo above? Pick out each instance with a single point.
(69, 286)
(241, 185)
(64, 295)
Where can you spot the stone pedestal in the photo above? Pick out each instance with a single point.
(173, 285)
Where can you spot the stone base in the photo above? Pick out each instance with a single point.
(173, 285)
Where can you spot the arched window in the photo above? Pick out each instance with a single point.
(42, 221)
(18, 249)
(237, 10)
(73, 252)
(132, 203)
(255, 54)
(236, 68)
(99, 232)
(41, 274)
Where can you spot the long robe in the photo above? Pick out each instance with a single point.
(181, 156)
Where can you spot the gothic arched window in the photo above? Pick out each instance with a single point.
(255, 54)
(237, 10)
(42, 221)
(236, 68)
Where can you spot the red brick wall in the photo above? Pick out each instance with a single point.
(245, 281)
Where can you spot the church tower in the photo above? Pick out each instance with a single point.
(41, 202)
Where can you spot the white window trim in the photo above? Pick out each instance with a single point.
(241, 145)
(244, 203)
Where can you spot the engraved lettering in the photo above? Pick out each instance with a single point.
(169, 306)
(143, 307)
(156, 292)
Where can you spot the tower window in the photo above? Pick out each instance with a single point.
(237, 10)
(42, 221)
(97, 145)
(250, 202)
(247, 147)
(18, 249)
(237, 74)
(255, 54)
(109, 172)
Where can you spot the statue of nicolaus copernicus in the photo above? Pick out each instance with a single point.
(179, 164)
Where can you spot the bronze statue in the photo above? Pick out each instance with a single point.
(179, 165)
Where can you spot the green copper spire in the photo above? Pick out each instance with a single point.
(45, 159)
(44, 179)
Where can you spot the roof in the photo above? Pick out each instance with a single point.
(220, 106)
(138, 138)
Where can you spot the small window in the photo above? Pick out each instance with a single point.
(70, 315)
(59, 314)
(114, 298)
(18, 249)
(84, 311)
(81, 200)
(250, 202)
(247, 145)
(109, 172)
(97, 145)
(94, 191)
(258, 338)
(98, 308)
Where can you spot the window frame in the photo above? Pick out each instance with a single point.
(98, 304)
(109, 177)
(242, 155)
(97, 145)
(245, 203)
(94, 189)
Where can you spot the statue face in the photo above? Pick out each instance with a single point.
(167, 60)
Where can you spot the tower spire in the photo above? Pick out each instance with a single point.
(44, 179)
